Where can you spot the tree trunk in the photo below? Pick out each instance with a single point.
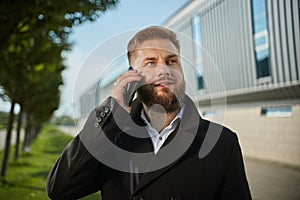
(8, 137)
(31, 133)
(27, 133)
(18, 133)
(37, 128)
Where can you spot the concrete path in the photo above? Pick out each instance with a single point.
(271, 181)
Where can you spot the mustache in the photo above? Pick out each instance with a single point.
(163, 79)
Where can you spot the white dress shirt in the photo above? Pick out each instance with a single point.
(158, 139)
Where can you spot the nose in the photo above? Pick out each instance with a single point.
(164, 70)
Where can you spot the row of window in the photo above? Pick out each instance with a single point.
(260, 38)
(271, 111)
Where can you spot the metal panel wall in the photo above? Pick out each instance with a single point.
(290, 42)
(284, 40)
(296, 27)
(277, 41)
(272, 42)
(227, 39)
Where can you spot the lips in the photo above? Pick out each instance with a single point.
(163, 84)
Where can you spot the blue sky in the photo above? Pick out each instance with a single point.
(127, 16)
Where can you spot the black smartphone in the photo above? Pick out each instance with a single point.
(130, 91)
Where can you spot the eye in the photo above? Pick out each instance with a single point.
(172, 62)
(150, 64)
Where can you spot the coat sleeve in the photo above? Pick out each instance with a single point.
(236, 184)
(77, 173)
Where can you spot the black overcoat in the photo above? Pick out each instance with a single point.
(95, 160)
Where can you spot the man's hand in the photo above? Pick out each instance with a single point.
(119, 88)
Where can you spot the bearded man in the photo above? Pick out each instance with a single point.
(150, 149)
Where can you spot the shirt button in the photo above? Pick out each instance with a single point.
(160, 138)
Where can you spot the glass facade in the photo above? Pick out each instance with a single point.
(196, 31)
(260, 34)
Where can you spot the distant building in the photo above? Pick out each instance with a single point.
(254, 45)
(242, 65)
(87, 101)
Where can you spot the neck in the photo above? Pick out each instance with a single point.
(158, 117)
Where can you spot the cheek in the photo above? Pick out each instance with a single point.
(178, 75)
(148, 79)
(148, 75)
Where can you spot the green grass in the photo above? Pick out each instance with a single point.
(26, 177)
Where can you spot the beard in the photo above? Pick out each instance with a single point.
(170, 100)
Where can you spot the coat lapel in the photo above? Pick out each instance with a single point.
(177, 146)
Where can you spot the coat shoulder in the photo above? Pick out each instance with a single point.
(215, 137)
(217, 129)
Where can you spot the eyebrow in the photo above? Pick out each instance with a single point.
(149, 58)
(172, 56)
(154, 58)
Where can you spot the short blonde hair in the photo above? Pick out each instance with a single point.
(152, 32)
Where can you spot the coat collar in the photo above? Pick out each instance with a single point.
(190, 115)
(176, 147)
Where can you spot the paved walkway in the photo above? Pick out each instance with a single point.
(13, 138)
(271, 181)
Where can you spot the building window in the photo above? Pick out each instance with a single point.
(260, 35)
(198, 58)
(278, 111)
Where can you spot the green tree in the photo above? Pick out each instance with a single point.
(31, 45)
(11, 79)
(30, 16)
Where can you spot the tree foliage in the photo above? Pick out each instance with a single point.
(56, 17)
(33, 36)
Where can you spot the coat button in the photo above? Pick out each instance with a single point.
(99, 119)
(175, 198)
(138, 197)
(102, 114)
(106, 109)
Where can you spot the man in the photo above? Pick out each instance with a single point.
(150, 149)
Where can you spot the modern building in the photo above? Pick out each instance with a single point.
(253, 46)
(242, 65)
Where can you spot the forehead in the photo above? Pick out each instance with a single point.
(154, 46)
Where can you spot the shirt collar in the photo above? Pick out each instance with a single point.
(178, 116)
(158, 139)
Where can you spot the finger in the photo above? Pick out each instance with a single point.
(127, 77)
(123, 82)
(128, 74)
